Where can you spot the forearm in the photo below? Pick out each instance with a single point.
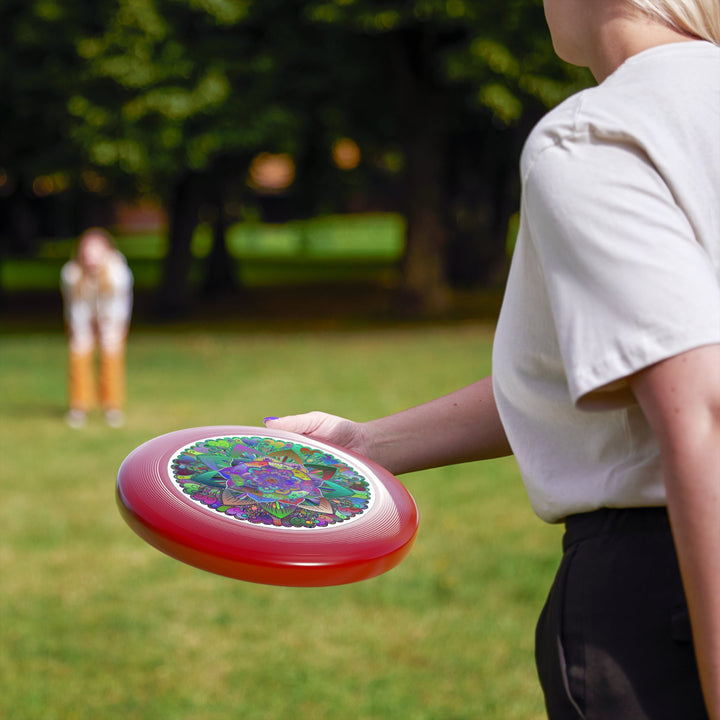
(460, 427)
(681, 400)
(693, 496)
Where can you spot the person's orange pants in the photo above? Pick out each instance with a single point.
(82, 388)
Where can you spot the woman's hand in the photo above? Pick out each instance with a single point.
(324, 427)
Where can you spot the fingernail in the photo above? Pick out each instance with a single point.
(269, 417)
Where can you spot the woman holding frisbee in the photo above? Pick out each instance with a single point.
(606, 366)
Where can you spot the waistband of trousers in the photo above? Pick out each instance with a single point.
(612, 521)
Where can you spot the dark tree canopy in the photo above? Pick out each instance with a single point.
(174, 98)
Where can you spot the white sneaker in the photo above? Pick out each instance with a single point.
(75, 418)
(115, 418)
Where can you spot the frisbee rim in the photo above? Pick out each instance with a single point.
(334, 555)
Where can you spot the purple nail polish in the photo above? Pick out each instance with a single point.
(269, 417)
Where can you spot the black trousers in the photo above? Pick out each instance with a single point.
(613, 641)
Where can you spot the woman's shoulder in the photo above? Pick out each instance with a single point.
(117, 270)
(649, 102)
(71, 273)
(554, 128)
(596, 114)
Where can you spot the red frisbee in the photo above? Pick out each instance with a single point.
(266, 506)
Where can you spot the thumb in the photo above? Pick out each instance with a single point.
(304, 424)
(320, 426)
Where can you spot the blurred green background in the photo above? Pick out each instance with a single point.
(318, 199)
(390, 131)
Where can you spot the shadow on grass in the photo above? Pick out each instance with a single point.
(317, 307)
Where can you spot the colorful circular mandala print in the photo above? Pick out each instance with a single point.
(271, 482)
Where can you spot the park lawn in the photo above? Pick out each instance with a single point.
(94, 623)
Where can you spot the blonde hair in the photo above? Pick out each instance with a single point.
(699, 18)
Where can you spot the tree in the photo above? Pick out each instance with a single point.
(183, 94)
(461, 72)
(38, 70)
(175, 98)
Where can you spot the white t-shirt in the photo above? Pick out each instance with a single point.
(617, 266)
(97, 308)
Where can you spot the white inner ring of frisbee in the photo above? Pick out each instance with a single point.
(365, 473)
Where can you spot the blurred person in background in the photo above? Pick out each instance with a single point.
(97, 295)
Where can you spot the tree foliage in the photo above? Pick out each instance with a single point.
(175, 97)
(468, 77)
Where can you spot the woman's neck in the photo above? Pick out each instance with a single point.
(620, 37)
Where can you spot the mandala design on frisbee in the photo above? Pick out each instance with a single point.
(271, 482)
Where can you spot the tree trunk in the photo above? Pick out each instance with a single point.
(174, 295)
(220, 267)
(425, 148)
(424, 277)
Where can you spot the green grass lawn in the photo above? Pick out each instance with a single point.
(95, 624)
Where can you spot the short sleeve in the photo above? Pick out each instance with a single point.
(115, 301)
(628, 282)
(70, 275)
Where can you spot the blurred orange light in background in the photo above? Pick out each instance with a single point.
(346, 154)
(93, 182)
(7, 183)
(271, 173)
(42, 186)
(45, 185)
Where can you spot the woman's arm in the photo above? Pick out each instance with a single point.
(459, 427)
(681, 400)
